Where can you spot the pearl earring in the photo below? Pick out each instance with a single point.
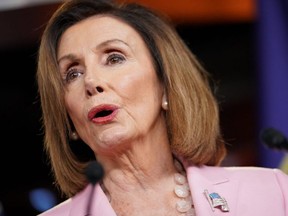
(74, 136)
(165, 105)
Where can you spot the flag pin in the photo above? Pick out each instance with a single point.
(216, 201)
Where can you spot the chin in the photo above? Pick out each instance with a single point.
(110, 140)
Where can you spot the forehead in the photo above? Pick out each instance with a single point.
(100, 28)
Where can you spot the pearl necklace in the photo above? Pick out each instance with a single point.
(185, 204)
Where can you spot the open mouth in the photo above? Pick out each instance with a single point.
(102, 114)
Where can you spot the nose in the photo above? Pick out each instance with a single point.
(93, 86)
(92, 90)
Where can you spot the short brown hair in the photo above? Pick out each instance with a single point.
(192, 117)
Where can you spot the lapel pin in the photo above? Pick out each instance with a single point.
(216, 201)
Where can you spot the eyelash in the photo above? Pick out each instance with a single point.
(114, 58)
(70, 74)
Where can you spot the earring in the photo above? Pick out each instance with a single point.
(74, 136)
(165, 105)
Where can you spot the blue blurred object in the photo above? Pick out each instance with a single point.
(272, 52)
(42, 199)
(1, 210)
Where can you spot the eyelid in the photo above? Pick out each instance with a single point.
(68, 69)
(113, 45)
(70, 65)
(69, 60)
(67, 77)
(116, 47)
(112, 56)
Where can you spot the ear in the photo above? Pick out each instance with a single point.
(164, 102)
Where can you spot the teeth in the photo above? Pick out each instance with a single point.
(103, 113)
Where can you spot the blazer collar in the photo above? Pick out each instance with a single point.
(212, 180)
(101, 205)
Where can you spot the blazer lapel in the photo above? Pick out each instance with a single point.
(212, 180)
(100, 205)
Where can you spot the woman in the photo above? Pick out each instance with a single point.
(118, 79)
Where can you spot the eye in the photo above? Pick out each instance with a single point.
(72, 74)
(115, 58)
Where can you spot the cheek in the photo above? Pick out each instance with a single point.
(73, 106)
(141, 89)
(130, 86)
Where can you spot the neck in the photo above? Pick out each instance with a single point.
(136, 173)
(157, 195)
(142, 164)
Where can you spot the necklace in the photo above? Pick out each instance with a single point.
(185, 204)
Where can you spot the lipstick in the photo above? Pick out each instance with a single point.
(103, 114)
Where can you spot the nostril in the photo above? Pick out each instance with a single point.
(99, 89)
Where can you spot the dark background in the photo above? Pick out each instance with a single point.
(226, 50)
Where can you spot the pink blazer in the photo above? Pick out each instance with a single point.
(248, 191)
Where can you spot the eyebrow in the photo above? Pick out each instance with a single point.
(107, 42)
(68, 57)
(99, 46)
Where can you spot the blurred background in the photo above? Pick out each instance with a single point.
(242, 43)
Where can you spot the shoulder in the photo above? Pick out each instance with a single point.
(255, 172)
(266, 176)
(248, 176)
(250, 190)
(77, 204)
(65, 208)
(60, 209)
(243, 172)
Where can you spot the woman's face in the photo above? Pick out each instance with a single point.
(112, 95)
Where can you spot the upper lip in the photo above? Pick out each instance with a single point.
(101, 109)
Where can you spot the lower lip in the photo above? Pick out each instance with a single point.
(105, 119)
